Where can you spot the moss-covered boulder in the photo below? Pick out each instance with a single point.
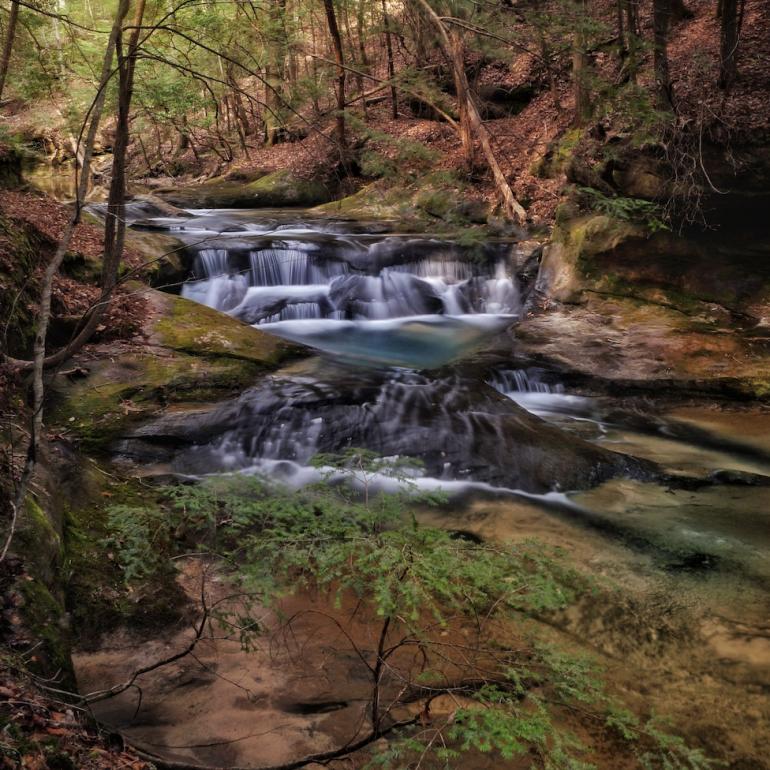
(168, 259)
(432, 208)
(601, 254)
(280, 189)
(193, 355)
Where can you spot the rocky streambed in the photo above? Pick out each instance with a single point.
(621, 420)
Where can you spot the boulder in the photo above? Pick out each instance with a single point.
(280, 189)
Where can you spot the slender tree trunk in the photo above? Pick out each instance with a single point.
(391, 69)
(580, 70)
(274, 70)
(546, 54)
(662, 75)
(240, 109)
(621, 36)
(632, 37)
(362, 52)
(357, 65)
(115, 221)
(8, 44)
(331, 19)
(728, 68)
(513, 209)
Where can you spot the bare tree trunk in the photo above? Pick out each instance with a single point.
(362, 52)
(8, 44)
(546, 54)
(728, 68)
(580, 70)
(632, 35)
(513, 209)
(463, 99)
(115, 221)
(274, 71)
(391, 69)
(334, 31)
(662, 76)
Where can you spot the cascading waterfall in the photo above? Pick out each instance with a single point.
(393, 307)
(308, 280)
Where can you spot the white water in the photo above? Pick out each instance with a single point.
(395, 305)
(296, 288)
(545, 400)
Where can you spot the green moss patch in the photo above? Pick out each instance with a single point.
(96, 594)
(199, 355)
(200, 331)
(43, 617)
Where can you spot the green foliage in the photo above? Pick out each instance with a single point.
(354, 537)
(627, 209)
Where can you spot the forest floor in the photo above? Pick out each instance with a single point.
(704, 114)
(40, 732)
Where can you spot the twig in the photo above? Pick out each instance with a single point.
(10, 536)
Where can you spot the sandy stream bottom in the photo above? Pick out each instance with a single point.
(683, 635)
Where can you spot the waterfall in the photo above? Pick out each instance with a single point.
(299, 283)
(521, 381)
(211, 263)
(291, 267)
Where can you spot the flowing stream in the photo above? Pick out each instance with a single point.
(419, 358)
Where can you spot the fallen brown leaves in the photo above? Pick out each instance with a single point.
(46, 735)
(47, 219)
(50, 218)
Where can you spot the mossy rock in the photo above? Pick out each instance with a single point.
(567, 268)
(44, 619)
(169, 260)
(277, 190)
(39, 541)
(97, 596)
(196, 355)
(409, 211)
(19, 286)
(197, 330)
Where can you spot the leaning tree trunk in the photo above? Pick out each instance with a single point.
(457, 61)
(8, 44)
(334, 31)
(662, 75)
(513, 209)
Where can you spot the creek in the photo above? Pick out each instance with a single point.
(667, 497)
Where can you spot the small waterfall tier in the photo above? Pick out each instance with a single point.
(343, 278)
